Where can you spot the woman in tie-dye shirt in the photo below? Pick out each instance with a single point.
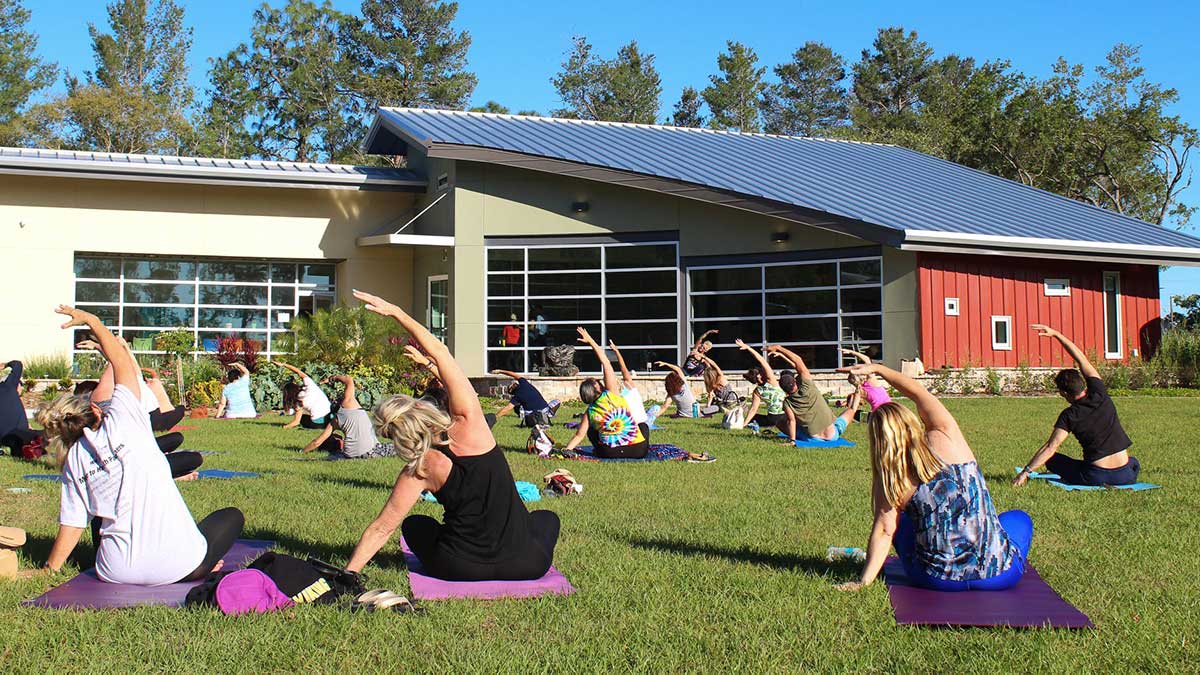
(609, 422)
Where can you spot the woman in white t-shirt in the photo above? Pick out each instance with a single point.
(115, 477)
(315, 410)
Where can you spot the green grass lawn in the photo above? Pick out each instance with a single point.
(710, 567)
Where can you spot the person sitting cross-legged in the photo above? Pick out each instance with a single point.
(931, 502)
(609, 421)
(767, 397)
(637, 407)
(485, 533)
(808, 414)
(526, 401)
(236, 401)
(1092, 417)
(681, 393)
(314, 409)
(358, 440)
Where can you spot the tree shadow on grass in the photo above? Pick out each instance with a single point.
(354, 482)
(301, 547)
(841, 570)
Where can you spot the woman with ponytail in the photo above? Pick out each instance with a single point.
(931, 502)
(115, 477)
(486, 532)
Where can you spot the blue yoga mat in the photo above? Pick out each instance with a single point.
(1132, 487)
(1037, 475)
(658, 452)
(820, 442)
(222, 474)
(43, 476)
(528, 492)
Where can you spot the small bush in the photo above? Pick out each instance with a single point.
(992, 382)
(50, 393)
(204, 394)
(941, 383)
(964, 381)
(201, 369)
(48, 366)
(89, 366)
(1178, 357)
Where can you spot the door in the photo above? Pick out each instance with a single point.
(439, 306)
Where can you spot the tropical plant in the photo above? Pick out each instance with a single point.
(48, 366)
(204, 393)
(347, 337)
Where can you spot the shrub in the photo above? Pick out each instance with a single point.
(48, 366)
(89, 366)
(1026, 381)
(204, 393)
(201, 369)
(1178, 357)
(178, 342)
(992, 382)
(964, 381)
(941, 383)
(50, 393)
(348, 337)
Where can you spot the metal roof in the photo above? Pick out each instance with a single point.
(907, 198)
(119, 166)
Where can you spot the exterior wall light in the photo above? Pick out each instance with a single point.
(780, 237)
(579, 207)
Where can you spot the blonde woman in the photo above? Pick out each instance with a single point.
(931, 502)
(720, 392)
(486, 532)
(114, 476)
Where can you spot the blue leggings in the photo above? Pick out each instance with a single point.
(1017, 524)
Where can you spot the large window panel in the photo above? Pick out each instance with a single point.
(727, 279)
(643, 333)
(620, 283)
(816, 357)
(747, 330)
(506, 359)
(801, 276)
(643, 359)
(802, 330)
(232, 318)
(320, 274)
(97, 291)
(566, 309)
(564, 258)
(233, 271)
(110, 315)
(160, 294)
(564, 284)
(283, 296)
(781, 303)
(624, 257)
(157, 317)
(283, 273)
(159, 268)
(506, 310)
(97, 268)
(506, 260)
(858, 272)
(652, 307)
(862, 299)
(733, 305)
(233, 295)
(505, 285)
(862, 328)
(564, 334)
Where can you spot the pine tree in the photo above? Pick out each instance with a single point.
(888, 81)
(687, 109)
(733, 98)
(491, 107)
(623, 89)
(22, 72)
(809, 98)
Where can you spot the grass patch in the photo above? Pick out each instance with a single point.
(680, 567)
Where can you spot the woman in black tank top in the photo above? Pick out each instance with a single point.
(486, 532)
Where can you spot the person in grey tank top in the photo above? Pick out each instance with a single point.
(358, 440)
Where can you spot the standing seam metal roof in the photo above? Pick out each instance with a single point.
(884, 185)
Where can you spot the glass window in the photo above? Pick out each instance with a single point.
(625, 283)
(507, 359)
(109, 315)
(855, 328)
(727, 279)
(748, 330)
(732, 358)
(159, 268)
(643, 359)
(160, 294)
(283, 273)
(662, 255)
(564, 284)
(643, 333)
(737, 305)
(566, 309)
(564, 334)
(506, 259)
(157, 317)
(802, 330)
(564, 258)
(225, 270)
(1112, 314)
(801, 276)
(319, 274)
(284, 296)
(652, 307)
(862, 299)
(500, 285)
(817, 357)
(233, 295)
(97, 291)
(98, 268)
(496, 335)
(504, 310)
(222, 317)
(802, 302)
(861, 272)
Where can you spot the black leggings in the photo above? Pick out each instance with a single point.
(635, 451)
(422, 534)
(169, 442)
(306, 422)
(161, 421)
(183, 463)
(220, 529)
(19, 438)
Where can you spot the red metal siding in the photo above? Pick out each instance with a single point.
(994, 286)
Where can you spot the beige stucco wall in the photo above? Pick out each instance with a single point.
(44, 221)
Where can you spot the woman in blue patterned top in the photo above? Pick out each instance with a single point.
(931, 502)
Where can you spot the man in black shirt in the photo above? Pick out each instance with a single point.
(1092, 417)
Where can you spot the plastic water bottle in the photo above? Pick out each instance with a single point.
(695, 409)
(835, 553)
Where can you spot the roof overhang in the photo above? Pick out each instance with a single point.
(406, 240)
(1063, 249)
(206, 175)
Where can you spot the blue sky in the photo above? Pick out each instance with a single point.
(518, 46)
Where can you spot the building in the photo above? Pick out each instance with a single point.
(646, 235)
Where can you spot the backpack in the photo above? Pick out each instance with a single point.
(308, 581)
(246, 591)
(538, 442)
(734, 419)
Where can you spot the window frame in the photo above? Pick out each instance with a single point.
(1064, 292)
(952, 306)
(1104, 277)
(1005, 319)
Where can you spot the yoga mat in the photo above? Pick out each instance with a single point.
(43, 476)
(820, 442)
(222, 474)
(1132, 487)
(1038, 474)
(428, 588)
(1029, 604)
(526, 490)
(657, 453)
(86, 591)
(182, 427)
(208, 453)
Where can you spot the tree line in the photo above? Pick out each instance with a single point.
(304, 84)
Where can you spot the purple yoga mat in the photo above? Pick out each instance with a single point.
(86, 591)
(428, 588)
(1029, 604)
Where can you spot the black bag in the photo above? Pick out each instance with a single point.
(205, 594)
(308, 581)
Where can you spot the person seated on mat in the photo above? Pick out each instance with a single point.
(1092, 417)
(872, 388)
(236, 401)
(114, 476)
(681, 394)
(808, 415)
(767, 394)
(931, 502)
(486, 533)
(291, 397)
(720, 392)
(358, 440)
(629, 391)
(15, 433)
(314, 410)
(163, 414)
(694, 365)
(608, 423)
(527, 401)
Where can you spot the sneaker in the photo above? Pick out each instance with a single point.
(554, 406)
(753, 426)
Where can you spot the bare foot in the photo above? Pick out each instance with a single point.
(190, 476)
(217, 568)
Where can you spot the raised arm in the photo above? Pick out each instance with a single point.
(349, 396)
(292, 368)
(862, 358)
(15, 370)
(241, 369)
(506, 373)
(626, 376)
(929, 408)
(1076, 353)
(671, 366)
(768, 372)
(125, 370)
(792, 358)
(610, 375)
(704, 336)
(421, 360)
(712, 364)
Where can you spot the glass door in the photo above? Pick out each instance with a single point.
(439, 306)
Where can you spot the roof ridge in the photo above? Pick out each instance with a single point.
(635, 125)
(96, 155)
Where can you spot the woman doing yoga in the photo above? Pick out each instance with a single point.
(720, 392)
(486, 532)
(114, 473)
(236, 401)
(931, 502)
(609, 422)
(767, 395)
(314, 410)
(680, 393)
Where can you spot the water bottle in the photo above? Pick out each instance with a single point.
(695, 409)
(835, 553)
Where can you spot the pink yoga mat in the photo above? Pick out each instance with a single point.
(86, 591)
(428, 588)
(1029, 604)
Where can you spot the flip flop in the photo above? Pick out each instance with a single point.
(700, 458)
(381, 599)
